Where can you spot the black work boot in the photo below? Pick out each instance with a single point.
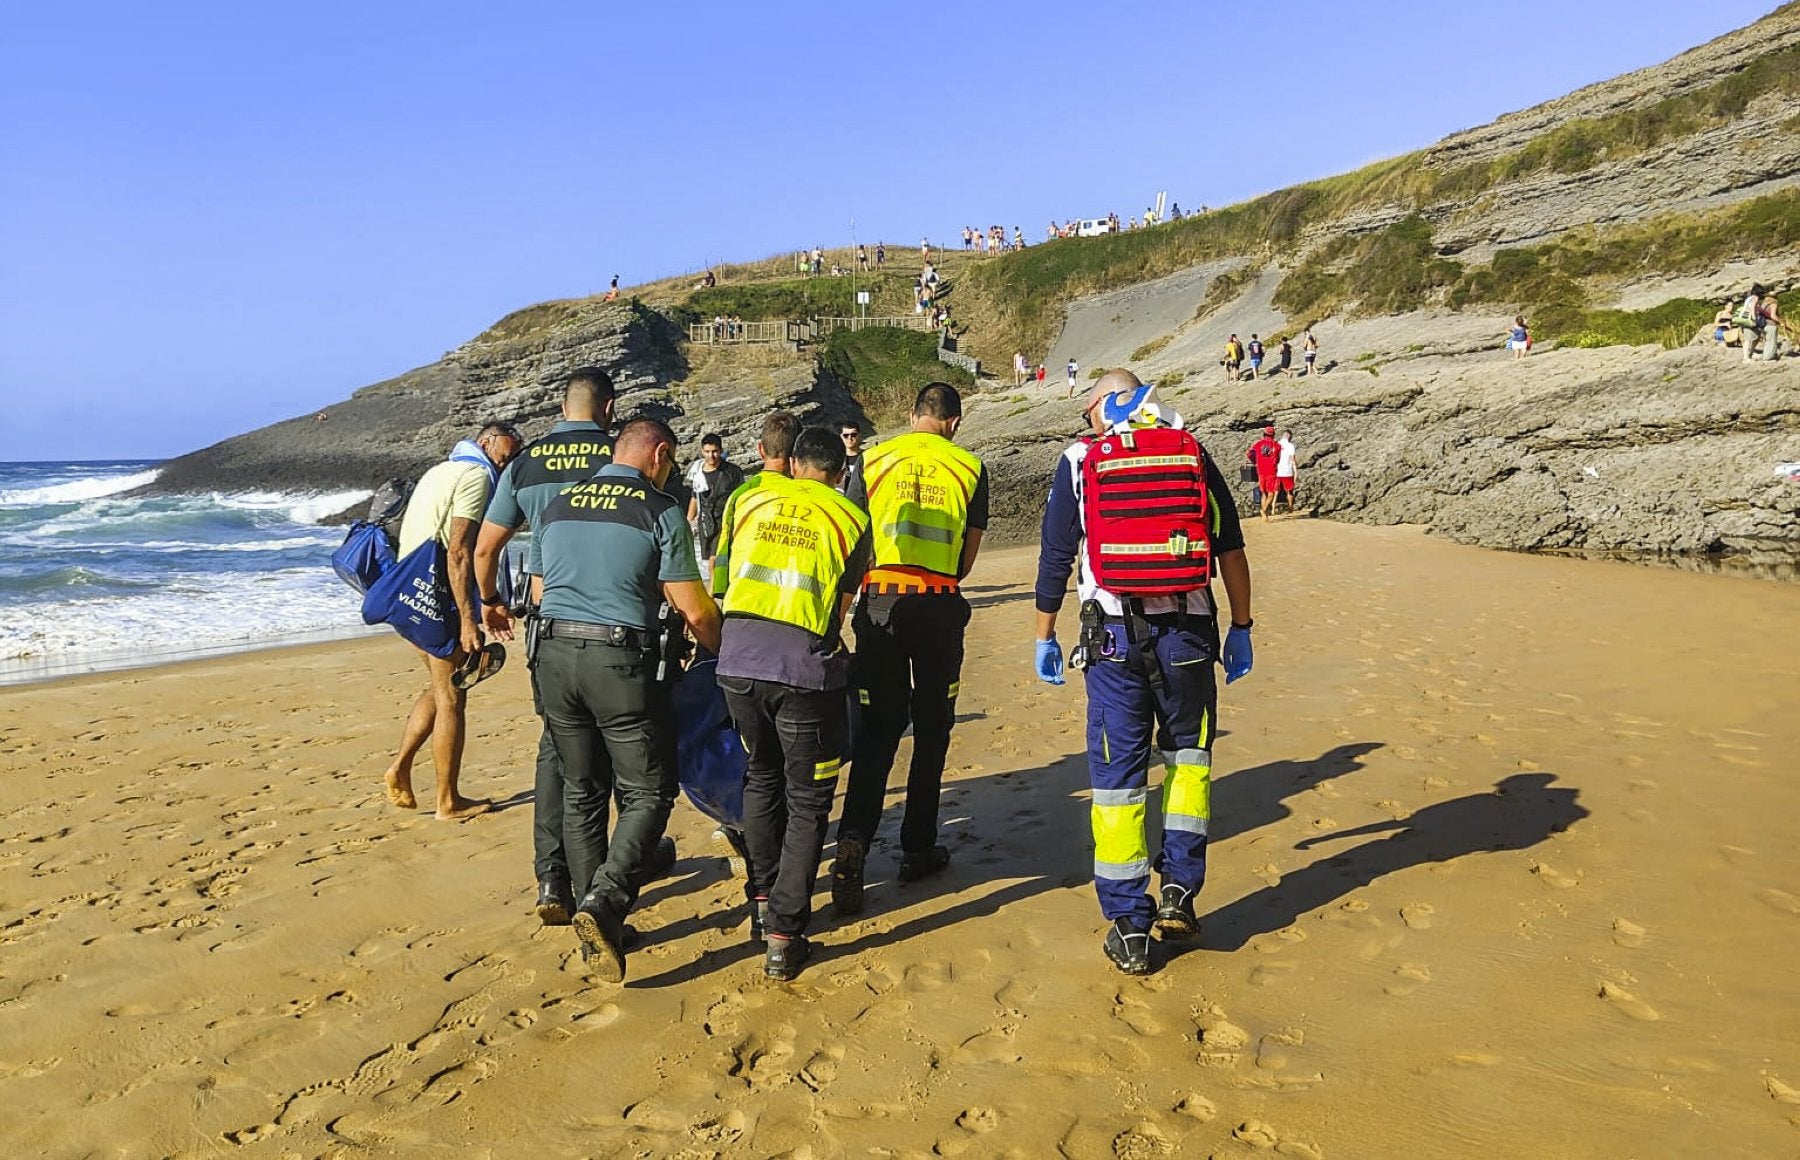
(662, 860)
(759, 920)
(847, 875)
(786, 956)
(602, 935)
(924, 864)
(555, 902)
(1128, 947)
(1175, 917)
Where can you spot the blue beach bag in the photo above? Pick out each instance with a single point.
(364, 557)
(413, 598)
(709, 753)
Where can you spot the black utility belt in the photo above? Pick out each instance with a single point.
(617, 635)
(1164, 619)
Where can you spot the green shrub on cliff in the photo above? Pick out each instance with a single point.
(1391, 270)
(883, 367)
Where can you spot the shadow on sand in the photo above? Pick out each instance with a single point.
(1518, 813)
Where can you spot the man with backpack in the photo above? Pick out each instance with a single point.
(1759, 318)
(712, 485)
(1143, 514)
(445, 510)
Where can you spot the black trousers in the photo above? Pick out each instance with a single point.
(908, 666)
(547, 857)
(795, 741)
(610, 720)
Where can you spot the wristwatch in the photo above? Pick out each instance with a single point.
(494, 601)
(1246, 626)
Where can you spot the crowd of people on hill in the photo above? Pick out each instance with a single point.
(1237, 353)
(992, 240)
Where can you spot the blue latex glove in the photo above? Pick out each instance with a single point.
(1050, 662)
(1238, 654)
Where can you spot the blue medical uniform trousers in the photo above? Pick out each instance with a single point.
(1127, 712)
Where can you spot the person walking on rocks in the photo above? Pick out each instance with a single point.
(1284, 471)
(1069, 373)
(1518, 339)
(1256, 357)
(1265, 456)
(798, 554)
(928, 508)
(1284, 359)
(1310, 352)
(1144, 553)
(1234, 358)
(446, 506)
(614, 549)
(571, 451)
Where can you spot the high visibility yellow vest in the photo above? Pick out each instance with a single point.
(920, 486)
(790, 542)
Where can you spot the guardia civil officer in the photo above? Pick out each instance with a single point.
(1150, 519)
(928, 507)
(793, 563)
(613, 550)
(573, 449)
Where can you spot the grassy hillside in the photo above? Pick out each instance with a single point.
(883, 368)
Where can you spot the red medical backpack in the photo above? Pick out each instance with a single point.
(1144, 503)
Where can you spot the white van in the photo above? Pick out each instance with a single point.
(1093, 227)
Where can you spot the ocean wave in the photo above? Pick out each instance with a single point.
(193, 611)
(77, 490)
(301, 507)
(71, 583)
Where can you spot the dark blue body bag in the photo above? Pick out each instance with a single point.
(414, 598)
(709, 753)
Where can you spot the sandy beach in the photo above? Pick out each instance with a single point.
(1503, 863)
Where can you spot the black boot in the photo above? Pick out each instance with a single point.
(786, 956)
(1175, 917)
(602, 935)
(847, 875)
(1128, 947)
(924, 864)
(555, 902)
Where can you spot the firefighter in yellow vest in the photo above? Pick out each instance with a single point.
(791, 563)
(928, 507)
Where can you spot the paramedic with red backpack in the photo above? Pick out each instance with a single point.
(1149, 640)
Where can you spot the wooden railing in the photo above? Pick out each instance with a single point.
(724, 333)
(824, 326)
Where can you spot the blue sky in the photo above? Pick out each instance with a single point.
(216, 215)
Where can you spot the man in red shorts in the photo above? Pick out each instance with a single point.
(1265, 456)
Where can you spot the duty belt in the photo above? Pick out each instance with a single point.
(617, 635)
(909, 587)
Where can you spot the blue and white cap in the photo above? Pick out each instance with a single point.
(1135, 410)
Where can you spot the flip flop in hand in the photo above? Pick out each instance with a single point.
(479, 666)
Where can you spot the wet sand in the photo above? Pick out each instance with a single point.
(1503, 863)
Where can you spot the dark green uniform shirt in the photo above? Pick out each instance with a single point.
(607, 546)
(570, 452)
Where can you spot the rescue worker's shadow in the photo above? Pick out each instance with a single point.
(1024, 824)
(1520, 812)
(990, 595)
(1251, 798)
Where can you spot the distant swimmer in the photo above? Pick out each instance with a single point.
(614, 549)
(446, 506)
(568, 453)
(1149, 641)
(928, 508)
(792, 566)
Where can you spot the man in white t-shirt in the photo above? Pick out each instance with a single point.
(1071, 371)
(1284, 471)
(447, 505)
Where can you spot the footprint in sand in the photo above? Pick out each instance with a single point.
(1627, 933)
(1268, 974)
(1554, 877)
(1141, 1143)
(978, 1120)
(1279, 940)
(1779, 1092)
(1628, 1003)
(822, 1068)
(1417, 915)
(1135, 1014)
(1413, 976)
(1195, 1106)
(1779, 900)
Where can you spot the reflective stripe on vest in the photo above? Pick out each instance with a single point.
(920, 486)
(790, 542)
